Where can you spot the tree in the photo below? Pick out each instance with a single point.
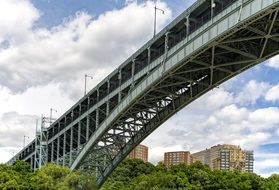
(271, 183)
(52, 177)
(16, 176)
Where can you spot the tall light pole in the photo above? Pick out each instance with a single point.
(85, 78)
(50, 115)
(155, 17)
(24, 140)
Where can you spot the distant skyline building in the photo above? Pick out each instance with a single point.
(178, 157)
(226, 157)
(140, 152)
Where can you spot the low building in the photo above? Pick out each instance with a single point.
(140, 152)
(179, 157)
(226, 157)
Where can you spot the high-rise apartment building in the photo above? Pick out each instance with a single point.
(226, 157)
(174, 158)
(140, 152)
(249, 164)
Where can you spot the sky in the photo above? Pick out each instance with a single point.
(46, 47)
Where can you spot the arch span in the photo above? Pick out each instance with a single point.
(240, 38)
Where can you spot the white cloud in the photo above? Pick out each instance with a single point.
(14, 126)
(251, 92)
(264, 119)
(36, 101)
(273, 62)
(252, 140)
(7, 153)
(273, 94)
(231, 114)
(17, 18)
(212, 100)
(268, 163)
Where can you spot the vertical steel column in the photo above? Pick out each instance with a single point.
(166, 51)
(187, 24)
(107, 110)
(79, 111)
(149, 57)
(31, 164)
(212, 9)
(52, 151)
(57, 153)
(87, 127)
(64, 148)
(79, 129)
(71, 146)
(97, 110)
(87, 119)
(133, 72)
(166, 42)
(120, 81)
(34, 162)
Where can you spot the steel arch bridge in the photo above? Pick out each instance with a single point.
(209, 43)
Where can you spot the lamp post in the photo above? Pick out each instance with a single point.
(155, 17)
(24, 140)
(85, 78)
(50, 115)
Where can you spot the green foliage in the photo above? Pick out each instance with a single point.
(137, 175)
(128, 170)
(15, 177)
(51, 177)
(134, 174)
(272, 183)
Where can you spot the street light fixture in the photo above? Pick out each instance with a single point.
(85, 78)
(155, 17)
(50, 115)
(24, 140)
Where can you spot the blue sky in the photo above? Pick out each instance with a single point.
(44, 58)
(54, 11)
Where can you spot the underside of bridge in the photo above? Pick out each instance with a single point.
(248, 44)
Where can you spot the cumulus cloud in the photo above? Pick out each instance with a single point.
(82, 43)
(14, 126)
(263, 119)
(17, 18)
(273, 62)
(251, 92)
(273, 94)
(213, 100)
(267, 163)
(7, 153)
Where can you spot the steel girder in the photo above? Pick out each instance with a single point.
(249, 43)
